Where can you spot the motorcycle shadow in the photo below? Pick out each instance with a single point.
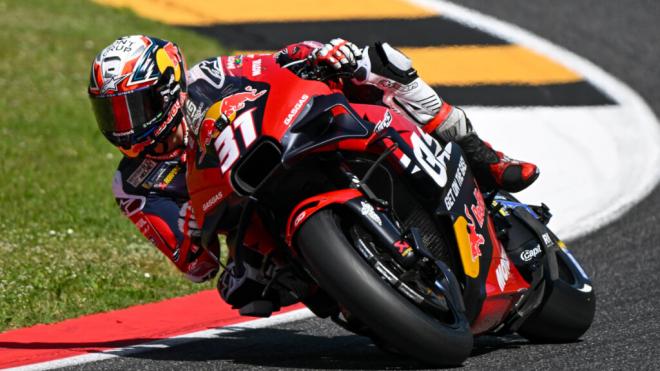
(303, 349)
(283, 348)
(487, 344)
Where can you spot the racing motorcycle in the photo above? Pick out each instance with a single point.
(375, 224)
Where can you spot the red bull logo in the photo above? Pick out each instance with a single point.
(227, 109)
(207, 132)
(236, 102)
(476, 239)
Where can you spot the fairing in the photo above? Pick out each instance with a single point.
(301, 118)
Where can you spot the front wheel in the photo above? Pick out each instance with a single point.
(343, 273)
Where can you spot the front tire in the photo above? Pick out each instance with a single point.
(343, 273)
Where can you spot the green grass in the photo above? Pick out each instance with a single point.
(65, 249)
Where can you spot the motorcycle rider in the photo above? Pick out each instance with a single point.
(137, 88)
(140, 88)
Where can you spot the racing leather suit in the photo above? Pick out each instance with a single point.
(153, 195)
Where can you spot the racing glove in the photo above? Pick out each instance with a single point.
(338, 54)
(199, 264)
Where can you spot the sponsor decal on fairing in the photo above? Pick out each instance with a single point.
(503, 270)
(256, 67)
(234, 61)
(299, 218)
(403, 248)
(478, 213)
(236, 102)
(456, 184)
(296, 108)
(223, 113)
(547, 240)
(528, 255)
(213, 201)
(384, 123)
(430, 157)
(476, 239)
(226, 145)
(479, 210)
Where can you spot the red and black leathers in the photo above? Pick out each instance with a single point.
(153, 195)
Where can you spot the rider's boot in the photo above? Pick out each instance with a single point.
(403, 91)
(493, 169)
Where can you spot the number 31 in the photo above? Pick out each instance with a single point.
(226, 145)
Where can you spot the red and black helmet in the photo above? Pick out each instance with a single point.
(134, 87)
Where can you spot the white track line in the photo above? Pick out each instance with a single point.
(295, 315)
(636, 138)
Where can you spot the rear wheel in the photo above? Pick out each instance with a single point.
(567, 310)
(347, 277)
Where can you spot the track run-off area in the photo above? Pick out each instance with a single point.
(594, 138)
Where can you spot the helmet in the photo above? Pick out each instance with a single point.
(136, 88)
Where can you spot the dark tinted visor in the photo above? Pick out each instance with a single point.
(124, 116)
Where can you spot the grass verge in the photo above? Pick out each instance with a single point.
(65, 250)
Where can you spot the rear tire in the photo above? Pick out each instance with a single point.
(566, 312)
(344, 274)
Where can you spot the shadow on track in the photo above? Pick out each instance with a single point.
(283, 348)
(297, 348)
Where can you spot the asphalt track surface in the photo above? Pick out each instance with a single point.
(623, 258)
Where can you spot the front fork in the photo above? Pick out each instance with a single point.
(407, 249)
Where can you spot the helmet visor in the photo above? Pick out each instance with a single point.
(127, 118)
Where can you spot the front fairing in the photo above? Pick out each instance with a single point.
(248, 111)
(324, 120)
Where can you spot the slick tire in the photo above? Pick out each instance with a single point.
(566, 313)
(343, 273)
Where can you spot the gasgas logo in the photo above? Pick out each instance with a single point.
(294, 111)
(212, 201)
